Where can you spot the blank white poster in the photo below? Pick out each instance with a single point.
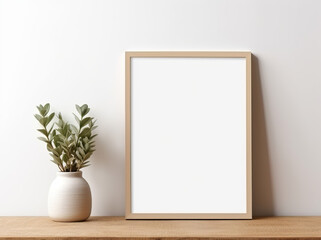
(188, 135)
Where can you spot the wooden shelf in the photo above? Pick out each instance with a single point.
(117, 227)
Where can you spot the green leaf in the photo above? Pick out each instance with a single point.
(38, 117)
(57, 138)
(79, 110)
(57, 151)
(81, 151)
(70, 160)
(56, 158)
(41, 110)
(85, 162)
(87, 156)
(95, 135)
(85, 132)
(65, 158)
(43, 121)
(43, 131)
(85, 165)
(51, 116)
(77, 119)
(78, 155)
(49, 148)
(65, 130)
(50, 129)
(74, 129)
(65, 148)
(60, 116)
(84, 110)
(59, 123)
(43, 139)
(52, 135)
(73, 139)
(46, 109)
(87, 146)
(85, 121)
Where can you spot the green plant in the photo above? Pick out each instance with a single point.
(69, 146)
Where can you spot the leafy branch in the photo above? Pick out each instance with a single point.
(69, 146)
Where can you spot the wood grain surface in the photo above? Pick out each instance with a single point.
(117, 227)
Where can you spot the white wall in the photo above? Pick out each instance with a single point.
(66, 52)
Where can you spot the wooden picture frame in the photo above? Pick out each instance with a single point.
(162, 87)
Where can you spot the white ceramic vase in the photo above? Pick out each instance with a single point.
(69, 198)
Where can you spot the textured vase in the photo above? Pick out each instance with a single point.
(69, 198)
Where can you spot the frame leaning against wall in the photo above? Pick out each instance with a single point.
(134, 70)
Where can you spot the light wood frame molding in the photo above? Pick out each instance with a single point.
(129, 213)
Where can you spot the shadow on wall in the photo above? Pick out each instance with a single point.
(261, 180)
(107, 177)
